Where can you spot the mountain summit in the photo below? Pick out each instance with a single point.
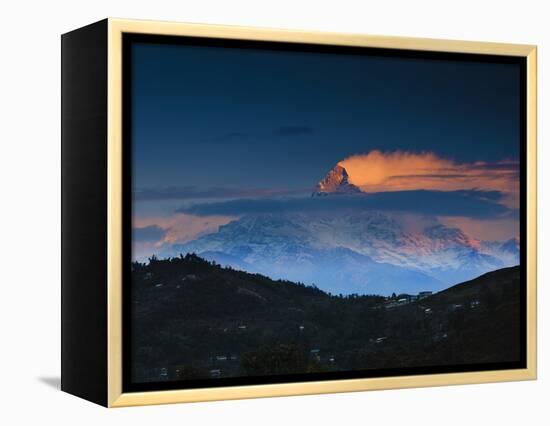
(336, 182)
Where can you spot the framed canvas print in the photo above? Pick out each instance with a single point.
(251, 212)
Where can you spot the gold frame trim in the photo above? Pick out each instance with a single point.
(116, 27)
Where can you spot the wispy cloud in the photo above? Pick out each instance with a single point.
(229, 136)
(292, 130)
(468, 203)
(148, 233)
(482, 229)
(176, 228)
(192, 192)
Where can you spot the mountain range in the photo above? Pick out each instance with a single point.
(367, 252)
(351, 251)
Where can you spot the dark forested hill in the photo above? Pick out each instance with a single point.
(193, 319)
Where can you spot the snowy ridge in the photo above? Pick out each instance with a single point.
(360, 252)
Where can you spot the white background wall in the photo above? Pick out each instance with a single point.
(30, 200)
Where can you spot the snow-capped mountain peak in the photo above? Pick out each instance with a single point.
(361, 251)
(356, 250)
(336, 182)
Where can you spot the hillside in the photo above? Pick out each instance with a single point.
(193, 319)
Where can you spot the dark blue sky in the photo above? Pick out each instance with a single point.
(211, 116)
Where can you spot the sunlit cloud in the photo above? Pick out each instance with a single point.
(178, 228)
(487, 230)
(403, 171)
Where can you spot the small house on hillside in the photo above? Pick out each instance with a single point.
(316, 354)
(189, 277)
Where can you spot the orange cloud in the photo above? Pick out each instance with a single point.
(401, 171)
(182, 227)
(486, 230)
